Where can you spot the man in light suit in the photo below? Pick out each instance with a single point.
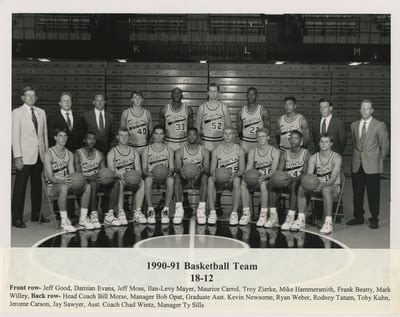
(29, 141)
(371, 145)
(329, 124)
(101, 124)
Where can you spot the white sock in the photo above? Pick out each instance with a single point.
(246, 209)
(272, 210)
(202, 204)
(63, 214)
(166, 208)
(301, 216)
(212, 212)
(138, 210)
(328, 219)
(291, 213)
(110, 212)
(179, 204)
(264, 210)
(93, 212)
(84, 212)
(150, 208)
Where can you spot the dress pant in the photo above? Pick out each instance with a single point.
(372, 183)
(18, 198)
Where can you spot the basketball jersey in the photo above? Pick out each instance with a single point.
(294, 164)
(59, 164)
(229, 160)
(176, 124)
(90, 166)
(251, 123)
(286, 127)
(324, 171)
(263, 163)
(196, 158)
(156, 157)
(124, 162)
(213, 123)
(138, 127)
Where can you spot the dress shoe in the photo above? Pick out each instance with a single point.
(19, 223)
(355, 221)
(42, 220)
(373, 225)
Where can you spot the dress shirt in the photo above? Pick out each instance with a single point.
(362, 123)
(328, 119)
(97, 113)
(71, 117)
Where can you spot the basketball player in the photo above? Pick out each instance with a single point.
(231, 156)
(153, 155)
(89, 161)
(265, 159)
(291, 121)
(59, 164)
(250, 118)
(121, 159)
(327, 165)
(196, 154)
(294, 163)
(176, 117)
(138, 121)
(212, 117)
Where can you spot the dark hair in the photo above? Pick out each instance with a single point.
(290, 98)
(100, 94)
(58, 130)
(122, 129)
(324, 99)
(212, 85)
(137, 92)
(193, 129)
(296, 132)
(265, 130)
(367, 100)
(326, 135)
(252, 88)
(158, 127)
(65, 93)
(28, 88)
(90, 132)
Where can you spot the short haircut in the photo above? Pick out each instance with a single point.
(28, 88)
(56, 131)
(326, 135)
(193, 129)
(176, 88)
(296, 132)
(265, 130)
(137, 92)
(122, 129)
(367, 100)
(90, 132)
(158, 127)
(229, 128)
(65, 93)
(290, 98)
(100, 94)
(213, 85)
(252, 88)
(325, 99)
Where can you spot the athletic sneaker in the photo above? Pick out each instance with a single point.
(94, 219)
(233, 220)
(151, 216)
(139, 217)
(245, 219)
(326, 228)
(212, 218)
(288, 222)
(262, 219)
(66, 225)
(165, 216)
(201, 216)
(178, 216)
(297, 225)
(85, 222)
(110, 220)
(122, 218)
(272, 222)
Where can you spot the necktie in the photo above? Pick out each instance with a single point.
(363, 135)
(34, 120)
(69, 121)
(101, 123)
(323, 130)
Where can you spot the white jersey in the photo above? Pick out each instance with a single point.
(90, 166)
(124, 162)
(156, 157)
(229, 160)
(59, 164)
(263, 162)
(212, 123)
(286, 127)
(294, 163)
(138, 127)
(194, 158)
(251, 123)
(176, 123)
(324, 171)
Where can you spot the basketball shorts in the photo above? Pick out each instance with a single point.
(247, 146)
(138, 148)
(209, 145)
(176, 146)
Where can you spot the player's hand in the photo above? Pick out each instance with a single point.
(213, 178)
(19, 164)
(261, 179)
(169, 174)
(68, 181)
(318, 189)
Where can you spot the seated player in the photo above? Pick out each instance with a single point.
(199, 155)
(264, 158)
(58, 164)
(294, 162)
(89, 161)
(153, 155)
(231, 156)
(326, 164)
(121, 159)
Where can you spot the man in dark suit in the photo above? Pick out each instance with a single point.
(329, 124)
(72, 122)
(371, 145)
(100, 123)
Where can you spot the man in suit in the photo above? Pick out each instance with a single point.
(29, 141)
(66, 119)
(101, 124)
(371, 145)
(329, 124)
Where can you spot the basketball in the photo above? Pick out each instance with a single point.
(160, 172)
(251, 177)
(106, 176)
(190, 171)
(279, 178)
(222, 175)
(78, 180)
(309, 182)
(132, 178)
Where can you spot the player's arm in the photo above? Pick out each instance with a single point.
(149, 125)
(276, 155)
(171, 162)
(161, 117)
(77, 162)
(239, 124)
(103, 160)
(124, 118)
(337, 165)
(282, 162)
(213, 161)
(71, 167)
(242, 162)
(190, 116)
(178, 161)
(265, 117)
(311, 164)
(199, 119)
(206, 162)
(250, 160)
(49, 171)
(138, 165)
(227, 115)
(306, 132)
(145, 162)
(278, 131)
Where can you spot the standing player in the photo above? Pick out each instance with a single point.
(59, 164)
(121, 159)
(327, 165)
(138, 121)
(294, 163)
(250, 118)
(176, 118)
(89, 161)
(264, 158)
(212, 118)
(196, 154)
(153, 155)
(232, 157)
(291, 121)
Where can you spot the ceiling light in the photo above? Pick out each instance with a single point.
(122, 60)
(203, 62)
(43, 60)
(279, 63)
(355, 63)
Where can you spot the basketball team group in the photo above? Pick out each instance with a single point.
(192, 151)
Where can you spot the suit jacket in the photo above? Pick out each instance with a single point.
(376, 147)
(25, 142)
(75, 136)
(103, 140)
(337, 131)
